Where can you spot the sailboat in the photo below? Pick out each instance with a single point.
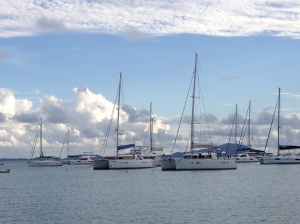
(280, 158)
(121, 161)
(43, 160)
(69, 157)
(149, 152)
(202, 160)
(242, 157)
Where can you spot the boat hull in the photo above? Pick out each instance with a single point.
(205, 164)
(276, 160)
(130, 164)
(167, 164)
(100, 164)
(42, 163)
(5, 171)
(76, 162)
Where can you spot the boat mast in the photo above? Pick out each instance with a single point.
(41, 138)
(278, 128)
(235, 129)
(151, 127)
(118, 117)
(249, 141)
(68, 143)
(193, 104)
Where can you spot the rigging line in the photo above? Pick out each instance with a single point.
(271, 127)
(104, 145)
(143, 132)
(202, 75)
(145, 136)
(63, 143)
(243, 130)
(182, 114)
(34, 142)
(230, 135)
(200, 92)
(125, 108)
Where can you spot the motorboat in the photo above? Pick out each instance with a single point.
(244, 158)
(86, 159)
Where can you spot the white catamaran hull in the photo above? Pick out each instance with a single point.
(205, 164)
(168, 164)
(40, 163)
(280, 160)
(130, 164)
(100, 164)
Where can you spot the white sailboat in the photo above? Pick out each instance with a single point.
(149, 152)
(43, 160)
(121, 161)
(281, 158)
(205, 160)
(243, 157)
(1, 162)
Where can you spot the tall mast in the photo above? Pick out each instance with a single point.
(249, 136)
(235, 129)
(193, 104)
(68, 143)
(41, 138)
(118, 118)
(151, 127)
(278, 128)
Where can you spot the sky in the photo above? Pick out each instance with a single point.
(61, 60)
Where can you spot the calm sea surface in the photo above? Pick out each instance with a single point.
(253, 193)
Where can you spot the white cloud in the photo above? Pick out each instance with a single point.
(88, 116)
(151, 17)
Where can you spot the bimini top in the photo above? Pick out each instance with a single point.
(120, 147)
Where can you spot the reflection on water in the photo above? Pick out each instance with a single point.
(79, 194)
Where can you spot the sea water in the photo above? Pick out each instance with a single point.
(253, 193)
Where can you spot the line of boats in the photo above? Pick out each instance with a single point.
(140, 156)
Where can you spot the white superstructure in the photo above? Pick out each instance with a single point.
(86, 159)
(130, 162)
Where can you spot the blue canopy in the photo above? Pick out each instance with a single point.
(125, 146)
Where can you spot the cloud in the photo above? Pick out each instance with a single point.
(230, 78)
(139, 20)
(88, 115)
(45, 24)
(26, 118)
(134, 34)
(3, 55)
(2, 117)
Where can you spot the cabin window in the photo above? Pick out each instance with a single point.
(198, 162)
(125, 162)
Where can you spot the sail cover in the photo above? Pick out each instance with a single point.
(157, 149)
(287, 147)
(125, 146)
